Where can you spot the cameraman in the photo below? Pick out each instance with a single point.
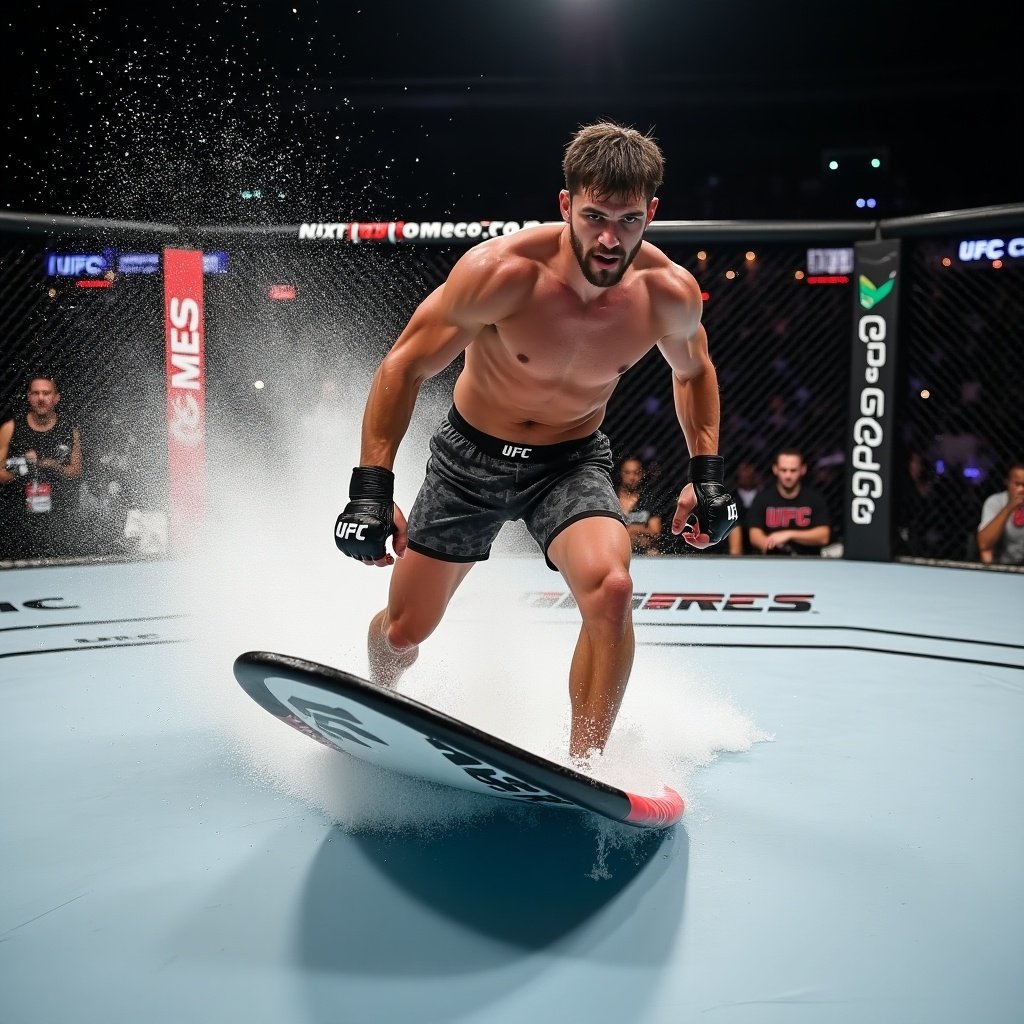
(40, 457)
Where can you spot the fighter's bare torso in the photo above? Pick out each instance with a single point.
(544, 345)
(545, 370)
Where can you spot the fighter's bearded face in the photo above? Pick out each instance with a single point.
(606, 233)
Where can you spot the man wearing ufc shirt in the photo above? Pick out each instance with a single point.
(789, 517)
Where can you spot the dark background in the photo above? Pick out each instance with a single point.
(391, 110)
(377, 109)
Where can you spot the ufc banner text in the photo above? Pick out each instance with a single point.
(185, 350)
(867, 526)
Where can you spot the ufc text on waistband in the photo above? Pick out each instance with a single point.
(513, 451)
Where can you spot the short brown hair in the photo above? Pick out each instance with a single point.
(42, 375)
(795, 452)
(609, 159)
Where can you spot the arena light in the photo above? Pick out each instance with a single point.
(730, 275)
(852, 161)
(750, 256)
(925, 394)
(972, 249)
(395, 231)
(75, 264)
(138, 263)
(830, 260)
(281, 292)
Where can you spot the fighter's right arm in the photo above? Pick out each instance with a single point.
(6, 433)
(485, 286)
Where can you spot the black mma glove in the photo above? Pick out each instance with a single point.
(716, 513)
(369, 517)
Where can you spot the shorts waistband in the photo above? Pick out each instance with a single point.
(511, 450)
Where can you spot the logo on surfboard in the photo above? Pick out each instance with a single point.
(506, 785)
(337, 724)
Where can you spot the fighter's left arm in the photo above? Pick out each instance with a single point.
(694, 390)
(707, 517)
(685, 348)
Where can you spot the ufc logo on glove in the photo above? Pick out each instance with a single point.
(347, 530)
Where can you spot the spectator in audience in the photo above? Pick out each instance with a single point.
(643, 524)
(920, 528)
(40, 461)
(789, 517)
(746, 485)
(1001, 530)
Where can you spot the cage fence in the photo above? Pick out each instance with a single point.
(779, 336)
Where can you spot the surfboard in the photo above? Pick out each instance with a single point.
(393, 731)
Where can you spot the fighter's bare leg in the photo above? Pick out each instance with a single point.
(421, 588)
(593, 557)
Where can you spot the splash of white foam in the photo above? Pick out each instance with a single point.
(269, 577)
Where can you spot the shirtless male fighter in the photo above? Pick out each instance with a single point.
(549, 319)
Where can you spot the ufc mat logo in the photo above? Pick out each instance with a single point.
(343, 531)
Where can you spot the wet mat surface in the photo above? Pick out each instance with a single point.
(864, 865)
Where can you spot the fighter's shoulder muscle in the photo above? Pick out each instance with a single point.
(675, 293)
(493, 279)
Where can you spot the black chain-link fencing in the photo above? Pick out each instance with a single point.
(780, 343)
(962, 368)
(103, 344)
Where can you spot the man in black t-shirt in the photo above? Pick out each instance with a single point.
(40, 463)
(789, 517)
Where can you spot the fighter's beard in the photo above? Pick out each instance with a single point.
(601, 278)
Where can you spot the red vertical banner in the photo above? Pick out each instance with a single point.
(185, 349)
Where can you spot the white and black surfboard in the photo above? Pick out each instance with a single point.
(391, 731)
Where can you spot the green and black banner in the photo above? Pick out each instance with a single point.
(867, 516)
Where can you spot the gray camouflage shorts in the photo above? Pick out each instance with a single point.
(475, 483)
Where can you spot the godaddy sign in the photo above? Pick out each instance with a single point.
(873, 379)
